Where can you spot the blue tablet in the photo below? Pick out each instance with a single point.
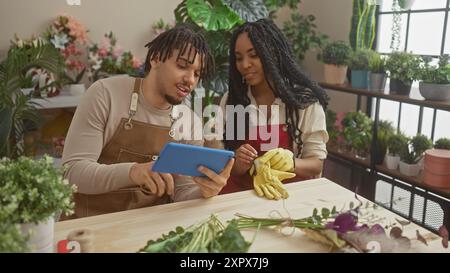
(184, 159)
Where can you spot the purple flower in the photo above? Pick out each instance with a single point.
(344, 222)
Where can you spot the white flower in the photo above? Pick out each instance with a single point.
(60, 41)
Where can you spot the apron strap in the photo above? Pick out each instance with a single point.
(133, 103)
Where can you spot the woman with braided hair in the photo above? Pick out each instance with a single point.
(264, 73)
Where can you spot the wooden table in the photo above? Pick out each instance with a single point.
(130, 230)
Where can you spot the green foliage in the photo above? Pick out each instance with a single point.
(11, 238)
(421, 143)
(32, 190)
(385, 131)
(358, 130)
(435, 74)
(337, 53)
(274, 5)
(442, 143)
(403, 66)
(332, 129)
(15, 107)
(363, 22)
(397, 143)
(377, 64)
(359, 59)
(301, 33)
(210, 236)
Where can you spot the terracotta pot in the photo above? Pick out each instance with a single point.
(335, 74)
(437, 168)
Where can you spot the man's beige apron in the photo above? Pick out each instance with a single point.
(133, 141)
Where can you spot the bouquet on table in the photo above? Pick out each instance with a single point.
(69, 36)
(109, 58)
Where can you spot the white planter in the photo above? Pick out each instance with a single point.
(409, 169)
(392, 161)
(41, 236)
(77, 89)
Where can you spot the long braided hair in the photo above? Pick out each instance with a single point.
(185, 39)
(290, 84)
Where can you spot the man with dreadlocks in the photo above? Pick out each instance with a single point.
(122, 123)
(264, 72)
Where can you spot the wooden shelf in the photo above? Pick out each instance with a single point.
(332, 150)
(60, 101)
(412, 99)
(414, 180)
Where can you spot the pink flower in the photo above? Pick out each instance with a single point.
(105, 43)
(117, 52)
(77, 30)
(136, 63)
(102, 52)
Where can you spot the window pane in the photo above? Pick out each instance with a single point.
(425, 35)
(428, 4)
(388, 111)
(409, 119)
(385, 33)
(442, 130)
(386, 5)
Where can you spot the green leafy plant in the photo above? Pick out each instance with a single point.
(412, 153)
(442, 143)
(302, 34)
(15, 107)
(403, 66)
(32, 190)
(210, 236)
(385, 132)
(363, 22)
(377, 64)
(396, 143)
(439, 74)
(337, 53)
(11, 238)
(358, 131)
(359, 59)
(421, 143)
(332, 129)
(274, 5)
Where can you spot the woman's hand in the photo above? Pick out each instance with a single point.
(213, 183)
(245, 155)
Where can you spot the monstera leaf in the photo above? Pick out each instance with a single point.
(211, 15)
(248, 10)
(219, 83)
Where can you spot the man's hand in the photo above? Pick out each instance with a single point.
(156, 183)
(213, 183)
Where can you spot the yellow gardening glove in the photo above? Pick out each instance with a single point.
(267, 182)
(280, 159)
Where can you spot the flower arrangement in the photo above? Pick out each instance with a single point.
(69, 36)
(32, 190)
(109, 58)
(353, 230)
(11, 239)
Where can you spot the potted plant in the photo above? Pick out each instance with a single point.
(335, 56)
(33, 193)
(358, 133)
(395, 144)
(385, 131)
(442, 143)
(11, 238)
(332, 129)
(359, 65)
(402, 69)
(412, 154)
(377, 72)
(435, 84)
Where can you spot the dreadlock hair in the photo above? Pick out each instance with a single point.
(185, 39)
(290, 84)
